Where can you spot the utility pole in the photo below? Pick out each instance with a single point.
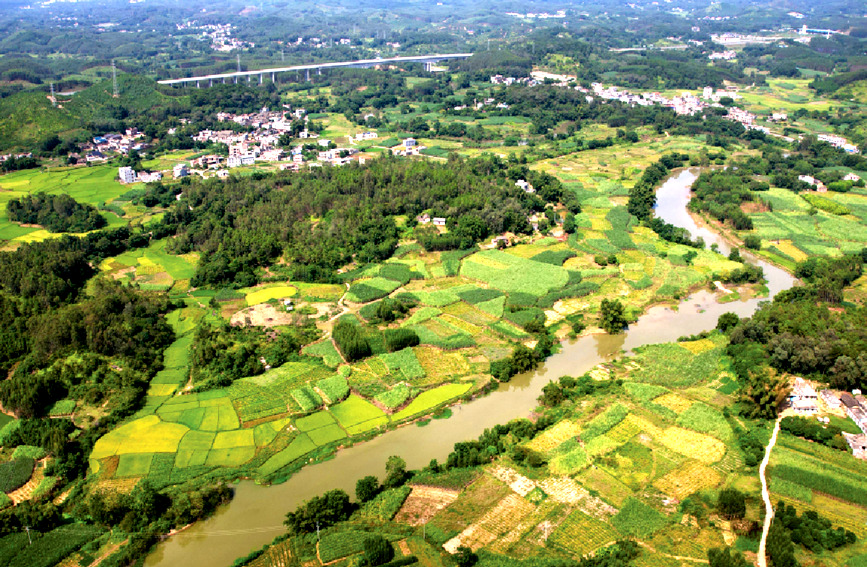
(114, 79)
(317, 530)
(28, 534)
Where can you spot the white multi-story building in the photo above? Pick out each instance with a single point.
(126, 175)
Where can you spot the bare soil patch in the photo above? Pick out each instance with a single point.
(423, 503)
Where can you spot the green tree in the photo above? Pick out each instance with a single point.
(612, 318)
(377, 551)
(319, 512)
(725, 557)
(781, 550)
(395, 472)
(727, 321)
(731, 503)
(753, 242)
(366, 488)
(465, 557)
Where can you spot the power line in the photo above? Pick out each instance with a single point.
(114, 78)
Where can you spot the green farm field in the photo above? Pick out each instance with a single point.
(92, 185)
(653, 455)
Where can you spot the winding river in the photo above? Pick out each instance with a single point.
(255, 515)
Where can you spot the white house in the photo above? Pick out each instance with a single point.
(236, 161)
(180, 170)
(525, 186)
(851, 177)
(804, 398)
(409, 142)
(439, 221)
(126, 174)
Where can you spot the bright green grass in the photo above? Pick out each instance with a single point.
(230, 457)
(325, 435)
(299, 447)
(232, 439)
(193, 449)
(265, 433)
(513, 274)
(134, 464)
(427, 401)
(314, 421)
(356, 411)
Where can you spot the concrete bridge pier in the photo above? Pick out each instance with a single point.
(273, 77)
(211, 82)
(260, 78)
(319, 71)
(308, 75)
(224, 80)
(198, 86)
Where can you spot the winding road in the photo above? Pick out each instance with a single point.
(769, 509)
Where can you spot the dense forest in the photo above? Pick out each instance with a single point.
(57, 213)
(323, 219)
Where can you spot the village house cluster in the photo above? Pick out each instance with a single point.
(804, 400)
(220, 36)
(839, 142)
(102, 147)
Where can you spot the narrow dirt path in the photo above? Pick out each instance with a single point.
(769, 509)
(343, 309)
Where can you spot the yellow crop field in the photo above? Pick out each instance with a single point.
(150, 435)
(688, 443)
(631, 426)
(688, 479)
(554, 437)
(698, 347)
(674, 402)
(786, 247)
(263, 295)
